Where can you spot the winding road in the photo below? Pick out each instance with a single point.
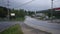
(43, 25)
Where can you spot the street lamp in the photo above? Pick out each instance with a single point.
(51, 10)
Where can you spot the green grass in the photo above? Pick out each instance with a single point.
(18, 19)
(16, 29)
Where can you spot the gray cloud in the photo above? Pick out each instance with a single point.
(35, 5)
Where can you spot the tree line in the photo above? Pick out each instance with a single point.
(18, 13)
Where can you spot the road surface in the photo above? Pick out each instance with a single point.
(43, 25)
(6, 24)
(29, 30)
(25, 28)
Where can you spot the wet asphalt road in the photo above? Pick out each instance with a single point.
(29, 30)
(5, 24)
(42, 23)
(25, 28)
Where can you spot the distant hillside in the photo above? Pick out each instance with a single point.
(55, 12)
(49, 11)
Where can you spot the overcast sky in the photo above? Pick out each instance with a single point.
(34, 5)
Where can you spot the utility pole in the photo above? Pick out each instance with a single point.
(8, 9)
(51, 10)
(35, 13)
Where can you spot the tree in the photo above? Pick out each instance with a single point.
(19, 13)
(3, 12)
(31, 13)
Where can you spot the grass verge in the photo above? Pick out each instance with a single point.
(18, 19)
(16, 29)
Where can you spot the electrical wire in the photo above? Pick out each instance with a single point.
(25, 4)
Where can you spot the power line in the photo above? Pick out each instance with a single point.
(1, 2)
(25, 4)
(17, 6)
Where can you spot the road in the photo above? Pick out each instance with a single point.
(38, 24)
(27, 29)
(43, 25)
(6, 24)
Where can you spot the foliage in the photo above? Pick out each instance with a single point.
(19, 13)
(3, 11)
(30, 13)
